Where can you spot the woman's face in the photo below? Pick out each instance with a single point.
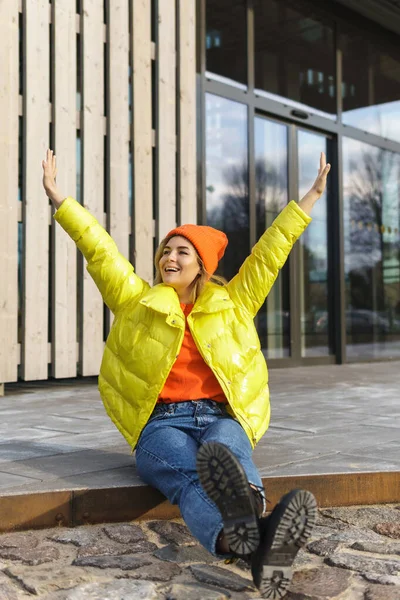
(179, 264)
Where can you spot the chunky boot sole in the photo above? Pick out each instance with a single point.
(287, 529)
(225, 482)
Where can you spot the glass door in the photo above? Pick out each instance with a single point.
(313, 257)
(295, 322)
(271, 177)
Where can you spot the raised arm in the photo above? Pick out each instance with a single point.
(259, 271)
(112, 273)
(318, 187)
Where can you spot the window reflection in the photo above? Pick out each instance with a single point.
(227, 190)
(271, 156)
(295, 54)
(226, 39)
(372, 266)
(371, 85)
(314, 280)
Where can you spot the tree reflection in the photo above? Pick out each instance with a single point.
(372, 199)
(231, 214)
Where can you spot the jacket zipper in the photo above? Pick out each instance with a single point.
(225, 387)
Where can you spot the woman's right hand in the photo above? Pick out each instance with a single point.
(49, 179)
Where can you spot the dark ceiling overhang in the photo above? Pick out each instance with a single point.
(384, 12)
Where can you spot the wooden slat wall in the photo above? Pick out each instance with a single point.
(166, 118)
(118, 123)
(92, 123)
(64, 338)
(187, 111)
(9, 193)
(138, 134)
(36, 205)
(142, 138)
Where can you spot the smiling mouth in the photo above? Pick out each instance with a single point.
(171, 270)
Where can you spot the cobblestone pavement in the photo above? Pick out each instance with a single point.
(354, 554)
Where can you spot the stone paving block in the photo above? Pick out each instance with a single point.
(78, 536)
(323, 547)
(363, 564)
(19, 540)
(383, 579)
(381, 592)
(31, 556)
(322, 583)
(7, 590)
(124, 533)
(124, 562)
(221, 578)
(377, 547)
(180, 591)
(156, 571)
(42, 580)
(391, 530)
(117, 589)
(106, 546)
(173, 533)
(184, 554)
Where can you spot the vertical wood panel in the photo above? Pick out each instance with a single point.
(92, 122)
(118, 123)
(9, 197)
(36, 206)
(187, 111)
(142, 137)
(64, 355)
(166, 122)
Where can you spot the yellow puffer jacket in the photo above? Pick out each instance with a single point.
(148, 328)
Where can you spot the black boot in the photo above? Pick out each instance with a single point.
(282, 534)
(225, 482)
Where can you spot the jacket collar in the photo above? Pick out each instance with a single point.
(163, 298)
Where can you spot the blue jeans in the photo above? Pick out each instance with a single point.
(166, 459)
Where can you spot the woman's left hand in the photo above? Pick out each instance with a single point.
(318, 187)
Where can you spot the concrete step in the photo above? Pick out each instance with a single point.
(52, 507)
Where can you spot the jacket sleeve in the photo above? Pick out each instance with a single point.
(112, 273)
(256, 276)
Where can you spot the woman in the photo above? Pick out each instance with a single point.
(184, 379)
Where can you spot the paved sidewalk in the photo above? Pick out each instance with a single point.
(353, 554)
(336, 429)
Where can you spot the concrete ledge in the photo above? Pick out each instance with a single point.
(77, 507)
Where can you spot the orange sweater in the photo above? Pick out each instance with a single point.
(190, 378)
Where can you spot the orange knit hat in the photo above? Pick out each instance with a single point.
(210, 243)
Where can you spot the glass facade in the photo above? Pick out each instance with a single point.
(227, 187)
(226, 39)
(371, 85)
(372, 250)
(308, 82)
(294, 54)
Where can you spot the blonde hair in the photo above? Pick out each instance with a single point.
(200, 280)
